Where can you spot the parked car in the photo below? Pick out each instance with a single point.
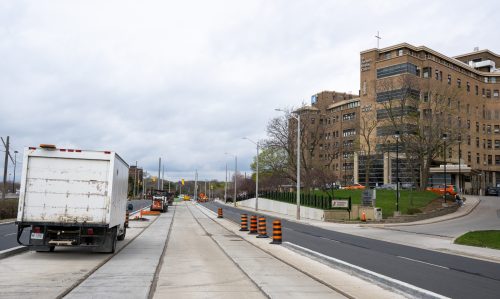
(386, 187)
(355, 187)
(492, 191)
(439, 189)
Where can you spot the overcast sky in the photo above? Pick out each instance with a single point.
(186, 80)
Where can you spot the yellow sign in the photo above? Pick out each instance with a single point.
(153, 178)
(182, 182)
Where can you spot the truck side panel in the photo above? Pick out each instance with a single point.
(66, 190)
(118, 191)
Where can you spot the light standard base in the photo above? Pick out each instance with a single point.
(397, 213)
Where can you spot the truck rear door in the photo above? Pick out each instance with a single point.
(66, 190)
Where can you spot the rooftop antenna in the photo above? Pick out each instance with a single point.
(476, 49)
(378, 39)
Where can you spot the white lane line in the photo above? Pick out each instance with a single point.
(9, 234)
(407, 258)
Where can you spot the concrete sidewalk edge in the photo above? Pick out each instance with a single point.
(12, 251)
(384, 281)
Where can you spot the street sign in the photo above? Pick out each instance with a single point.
(340, 203)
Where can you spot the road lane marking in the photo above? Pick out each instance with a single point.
(9, 234)
(407, 258)
(377, 277)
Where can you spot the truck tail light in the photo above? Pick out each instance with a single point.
(36, 229)
(90, 231)
(107, 152)
(32, 148)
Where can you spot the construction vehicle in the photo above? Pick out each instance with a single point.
(159, 201)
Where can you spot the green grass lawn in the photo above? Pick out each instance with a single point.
(485, 238)
(386, 199)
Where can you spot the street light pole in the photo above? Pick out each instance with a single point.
(459, 164)
(444, 150)
(225, 187)
(256, 175)
(298, 161)
(397, 170)
(235, 175)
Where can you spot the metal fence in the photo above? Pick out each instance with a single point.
(308, 200)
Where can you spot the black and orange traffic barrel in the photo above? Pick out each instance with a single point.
(253, 225)
(262, 228)
(219, 213)
(276, 232)
(244, 223)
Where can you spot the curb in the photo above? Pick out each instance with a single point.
(382, 280)
(12, 251)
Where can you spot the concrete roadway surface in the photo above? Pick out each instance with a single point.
(180, 254)
(8, 230)
(445, 274)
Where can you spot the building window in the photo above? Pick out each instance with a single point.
(497, 159)
(468, 139)
(489, 143)
(477, 90)
(490, 160)
(469, 157)
(477, 142)
(468, 124)
(404, 93)
(449, 79)
(349, 116)
(427, 71)
(497, 144)
(468, 87)
(488, 129)
(488, 93)
(459, 83)
(478, 159)
(396, 70)
(496, 129)
(495, 93)
(313, 120)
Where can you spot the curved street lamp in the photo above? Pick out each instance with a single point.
(235, 173)
(256, 174)
(396, 135)
(445, 136)
(298, 160)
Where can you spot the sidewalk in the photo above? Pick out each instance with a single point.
(205, 260)
(390, 233)
(266, 274)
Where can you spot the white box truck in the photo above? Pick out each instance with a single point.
(72, 198)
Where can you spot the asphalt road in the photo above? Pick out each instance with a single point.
(486, 216)
(445, 274)
(8, 231)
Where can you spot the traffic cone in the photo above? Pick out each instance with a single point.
(363, 216)
(262, 228)
(219, 213)
(244, 223)
(276, 232)
(253, 225)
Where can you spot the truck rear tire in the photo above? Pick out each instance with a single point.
(122, 236)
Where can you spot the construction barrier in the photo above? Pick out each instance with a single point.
(262, 228)
(363, 217)
(253, 225)
(150, 213)
(244, 223)
(276, 232)
(219, 213)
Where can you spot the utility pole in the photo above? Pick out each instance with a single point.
(195, 184)
(163, 176)
(135, 180)
(159, 168)
(5, 165)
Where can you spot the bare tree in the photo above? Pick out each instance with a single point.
(422, 111)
